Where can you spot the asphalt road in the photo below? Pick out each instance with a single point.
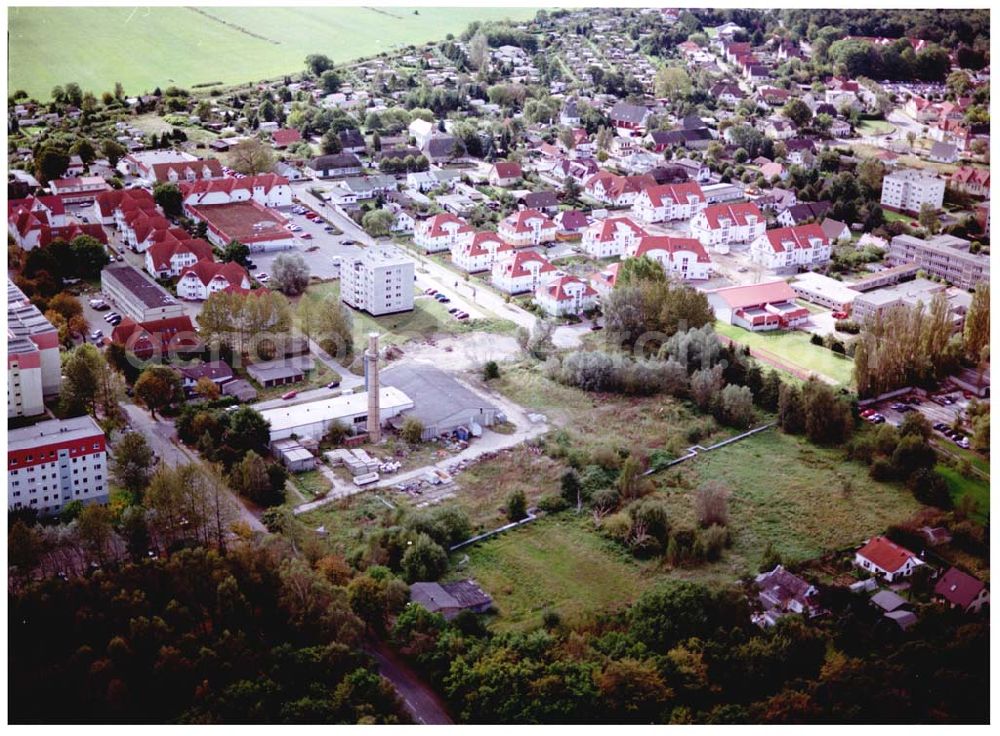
(423, 704)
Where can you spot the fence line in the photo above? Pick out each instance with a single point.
(695, 450)
(498, 530)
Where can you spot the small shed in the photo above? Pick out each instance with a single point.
(450, 599)
(293, 455)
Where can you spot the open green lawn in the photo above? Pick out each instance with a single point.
(875, 127)
(158, 46)
(961, 485)
(794, 348)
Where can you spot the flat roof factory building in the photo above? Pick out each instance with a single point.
(312, 419)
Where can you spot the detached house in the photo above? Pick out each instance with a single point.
(802, 212)
(334, 165)
(780, 593)
(682, 258)
(790, 247)
(480, 253)
(566, 295)
(611, 237)
(527, 227)
(619, 191)
(957, 589)
(442, 232)
(505, 173)
(972, 181)
(881, 556)
(669, 202)
(629, 119)
(521, 272)
(721, 225)
(204, 278)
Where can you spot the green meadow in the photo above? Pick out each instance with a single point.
(148, 47)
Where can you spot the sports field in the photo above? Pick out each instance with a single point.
(148, 47)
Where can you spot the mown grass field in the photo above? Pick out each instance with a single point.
(148, 47)
(960, 485)
(795, 348)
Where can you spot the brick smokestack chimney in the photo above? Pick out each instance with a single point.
(371, 383)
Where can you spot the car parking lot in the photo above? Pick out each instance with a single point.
(318, 247)
(941, 410)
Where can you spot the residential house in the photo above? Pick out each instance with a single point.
(527, 227)
(883, 557)
(442, 232)
(421, 131)
(727, 93)
(217, 371)
(352, 141)
(571, 222)
(957, 589)
(522, 271)
(682, 258)
(802, 246)
(285, 137)
(803, 212)
(619, 191)
(570, 114)
(504, 173)
(835, 230)
(628, 119)
(78, 190)
(722, 225)
(450, 599)
(439, 148)
(159, 337)
(610, 237)
(943, 153)
(334, 165)
(176, 172)
(781, 593)
(268, 190)
(480, 253)
(172, 255)
(202, 279)
(801, 151)
(107, 204)
(972, 181)
(566, 295)
(669, 202)
(547, 201)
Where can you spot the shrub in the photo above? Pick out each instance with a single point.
(605, 500)
(413, 430)
(552, 503)
(491, 370)
(425, 559)
(517, 506)
(617, 526)
(881, 470)
(712, 504)
(715, 539)
(816, 340)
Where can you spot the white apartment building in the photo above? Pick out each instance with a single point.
(611, 237)
(527, 227)
(682, 258)
(791, 247)
(522, 272)
(722, 225)
(378, 281)
(52, 463)
(442, 232)
(34, 369)
(908, 189)
(944, 256)
(669, 202)
(480, 253)
(566, 295)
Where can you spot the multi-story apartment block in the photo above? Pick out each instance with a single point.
(790, 247)
(33, 365)
(682, 258)
(944, 256)
(136, 296)
(611, 237)
(908, 189)
(481, 253)
(379, 281)
(52, 463)
(721, 225)
(442, 232)
(669, 202)
(527, 227)
(522, 271)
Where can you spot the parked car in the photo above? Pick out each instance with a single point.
(96, 335)
(119, 257)
(430, 292)
(453, 310)
(289, 395)
(112, 315)
(867, 413)
(940, 426)
(349, 242)
(251, 266)
(115, 322)
(306, 236)
(333, 384)
(877, 419)
(263, 277)
(442, 298)
(330, 228)
(840, 315)
(963, 443)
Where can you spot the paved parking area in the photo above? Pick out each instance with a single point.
(318, 251)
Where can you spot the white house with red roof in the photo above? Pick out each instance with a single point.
(26, 218)
(721, 225)
(176, 172)
(957, 589)
(139, 229)
(285, 137)
(758, 307)
(791, 247)
(79, 189)
(682, 258)
(480, 253)
(882, 556)
(619, 191)
(127, 209)
(604, 280)
(566, 295)
(527, 227)
(172, 255)
(106, 204)
(669, 202)
(441, 232)
(522, 271)
(611, 237)
(202, 279)
(504, 173)
(974, 182)
(269, 190)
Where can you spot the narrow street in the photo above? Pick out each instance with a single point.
(420, 700)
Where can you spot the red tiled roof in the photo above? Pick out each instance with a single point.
(958, 587)
(52, 204)
(108, 202)
(676, 193)
(516, 266)
(147, 337)
(162, 251)
(771, 292)
(72, 231)
(557, 288)
(206, 271)
(161, 172)
(608, 229)
(433, 227)
(672, 245)
(228, 185)
(783, 239)
(518, 221)
(286, 137)
(737, 213)
(885, 554)
(507, 169)
(967, 174)
(478, 245)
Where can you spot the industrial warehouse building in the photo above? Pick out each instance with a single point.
(312, 419)
(442, 403)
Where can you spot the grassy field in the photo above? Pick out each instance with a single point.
(875, 127)
(795, 348)
(148, 47)
(961, 485)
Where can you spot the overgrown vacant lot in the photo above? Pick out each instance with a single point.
(148, 47)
